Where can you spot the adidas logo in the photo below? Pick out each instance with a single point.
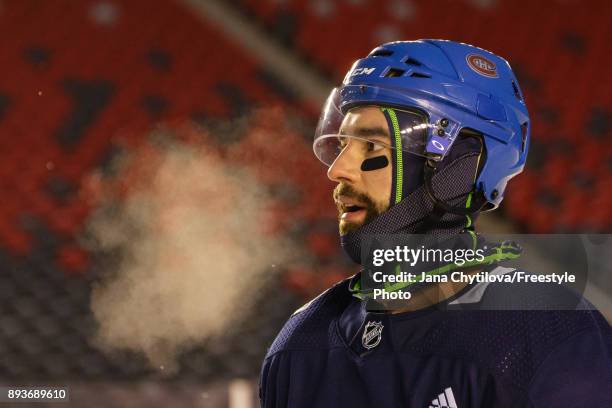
(444, 400)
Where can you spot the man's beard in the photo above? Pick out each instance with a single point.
(372, 209)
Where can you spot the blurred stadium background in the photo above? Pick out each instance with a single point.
(83, 82)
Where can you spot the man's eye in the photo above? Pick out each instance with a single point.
(374, 147)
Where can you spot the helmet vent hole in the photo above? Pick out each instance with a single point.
(517, 93)
(412, 61)
(381, 53)
(418, 75)
(394, 72)
(524, 128)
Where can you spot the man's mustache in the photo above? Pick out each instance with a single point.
(350, 192)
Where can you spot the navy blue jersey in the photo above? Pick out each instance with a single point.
(334, 353)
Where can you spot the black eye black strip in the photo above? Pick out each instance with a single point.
(375, 163)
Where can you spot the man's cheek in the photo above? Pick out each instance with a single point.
(379, 187)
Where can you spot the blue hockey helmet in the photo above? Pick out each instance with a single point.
(443, 87)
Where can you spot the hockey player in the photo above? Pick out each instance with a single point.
(420, 138)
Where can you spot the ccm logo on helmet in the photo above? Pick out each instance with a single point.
(362, 71)
(482, 65)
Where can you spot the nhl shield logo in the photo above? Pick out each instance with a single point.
(372, 334)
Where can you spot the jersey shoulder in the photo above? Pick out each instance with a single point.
(311, 326)
(511, 328)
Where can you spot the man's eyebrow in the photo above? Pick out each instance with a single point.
(366, 131)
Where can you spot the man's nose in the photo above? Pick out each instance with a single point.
(347, 165)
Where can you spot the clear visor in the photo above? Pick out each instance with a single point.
(350, 114)
(329, 147)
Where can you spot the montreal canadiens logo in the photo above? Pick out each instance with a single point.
(482, 65)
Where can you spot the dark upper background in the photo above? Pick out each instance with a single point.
(82, 81)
